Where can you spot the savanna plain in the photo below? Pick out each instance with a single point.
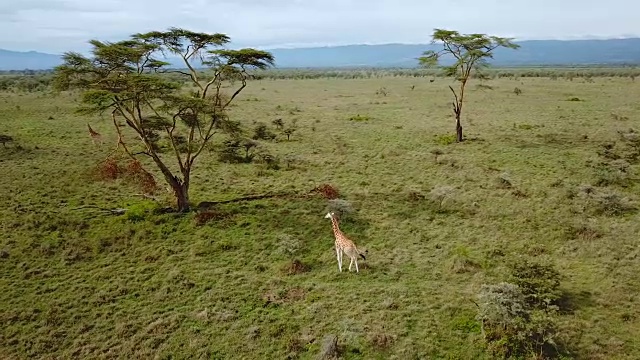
(542, 194)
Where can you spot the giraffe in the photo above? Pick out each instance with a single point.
(344, 245)
(95, 136)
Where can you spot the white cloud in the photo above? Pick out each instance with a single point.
(61, 25)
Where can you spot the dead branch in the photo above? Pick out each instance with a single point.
(105, 211)
(150, 197)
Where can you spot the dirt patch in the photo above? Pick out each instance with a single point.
(284, 296)
(327, 191)
(295, 267)
(204, 217)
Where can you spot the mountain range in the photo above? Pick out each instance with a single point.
(530, 53)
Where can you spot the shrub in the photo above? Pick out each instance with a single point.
(237, 150)
(484, 87)
(441, 193)
(415, 195)
(341, 207)
(141, 177)
(229, 152)
(294, 267)
(329, 348)
(462, 262)
(539, 283)
(288, 246)
(327, 191)
(108, 169)
(138, 212)
(291, 160)
(249, 146)
(504, 181)
(289, 131)
(262, 132)
(582, 231)
(445, 139)
(511, 328)
(268, 161)
(517, 91)
(502, 304)
(360, 118)
(616, 172)
(4, 139)
(436, 153)
(608, 151)
(381, 340)
(619, 117)
(612, 204)
(631, 142)
(278, 123)
(382, 91)
(295, 110)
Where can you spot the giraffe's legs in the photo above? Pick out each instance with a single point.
(350, 264)
(356, 260)
(339, 255)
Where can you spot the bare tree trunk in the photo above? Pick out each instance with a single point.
(458, 129)
(180, 187)
(181, 192)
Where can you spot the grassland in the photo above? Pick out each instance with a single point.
(528, 184)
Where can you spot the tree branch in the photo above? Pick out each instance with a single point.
(189, 150)
(244, 84)
(454, 94)
(211, 82)
(206, 139)
(193, 74)
(120, 137)
(173, 142)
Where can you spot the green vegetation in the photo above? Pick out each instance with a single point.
(30, 81)
(469, 53)
(521, 241)
(122, 78)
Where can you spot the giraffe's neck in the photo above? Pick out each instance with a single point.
(334, 225)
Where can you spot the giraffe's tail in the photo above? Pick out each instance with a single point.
(362, 254)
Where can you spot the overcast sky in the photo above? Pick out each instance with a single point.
(56, 26)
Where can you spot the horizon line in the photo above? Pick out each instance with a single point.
(294, 46)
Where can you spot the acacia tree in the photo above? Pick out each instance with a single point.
(470, 53)
(128, 79)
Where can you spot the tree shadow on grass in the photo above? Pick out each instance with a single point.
(572, 301)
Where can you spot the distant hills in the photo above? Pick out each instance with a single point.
(531, 52)
(15, 60)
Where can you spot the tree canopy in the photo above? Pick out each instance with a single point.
(469, 52)
(125, 78)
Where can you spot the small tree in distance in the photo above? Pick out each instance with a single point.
(125, 79)
(469, 52)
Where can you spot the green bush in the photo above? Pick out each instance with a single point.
(445, 139)
(140, 211)
(511, 328)
(236, 151)
(262, 132)
(360, 118)
(539, 283)
(612, 204)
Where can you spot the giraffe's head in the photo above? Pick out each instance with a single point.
(330, 215)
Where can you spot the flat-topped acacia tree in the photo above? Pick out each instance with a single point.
(125, 78)
(469, 53)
